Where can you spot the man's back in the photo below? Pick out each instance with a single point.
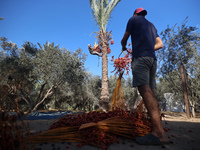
(143, 36)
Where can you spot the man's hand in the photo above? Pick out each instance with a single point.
(124, 48)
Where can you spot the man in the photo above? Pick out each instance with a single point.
(145, 41)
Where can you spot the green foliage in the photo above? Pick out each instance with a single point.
(30, 48)
(9, 47)
(13, 63)
(130, 93)
(112, 83)
(181, 47)
(41, 72)
(102, 10)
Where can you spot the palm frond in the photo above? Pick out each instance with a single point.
(102, 10)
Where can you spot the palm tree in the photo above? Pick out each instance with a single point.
(102, 10)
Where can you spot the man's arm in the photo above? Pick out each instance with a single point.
(124, 40)
(159, 44)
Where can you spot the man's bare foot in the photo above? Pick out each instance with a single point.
(162, 137)
(151, 139)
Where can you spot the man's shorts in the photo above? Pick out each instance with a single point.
(144, 71)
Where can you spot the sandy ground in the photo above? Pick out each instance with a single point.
(184, 133)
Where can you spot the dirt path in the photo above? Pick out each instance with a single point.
(183, 132)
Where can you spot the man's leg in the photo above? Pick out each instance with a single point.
(151, 104)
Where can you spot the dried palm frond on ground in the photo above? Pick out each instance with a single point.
(68, 134)
(84, 128)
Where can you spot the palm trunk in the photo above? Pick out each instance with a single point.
(104, 99)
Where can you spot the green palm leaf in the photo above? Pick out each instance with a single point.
(102, 10)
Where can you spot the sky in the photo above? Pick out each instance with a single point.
(70, 23)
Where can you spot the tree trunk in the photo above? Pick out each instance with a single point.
(185, 93)
(49, 92)
(192, 104)
(75, 107)
(40, 94)
(30, 104)
(193, 111)
(104, 99)
(16, 102)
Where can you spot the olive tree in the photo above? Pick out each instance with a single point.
(181, 47)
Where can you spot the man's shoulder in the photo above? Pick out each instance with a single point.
(135, 17)
(151, 24)
(138, 19)
(132, 18)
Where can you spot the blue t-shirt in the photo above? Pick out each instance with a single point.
(143, 36)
